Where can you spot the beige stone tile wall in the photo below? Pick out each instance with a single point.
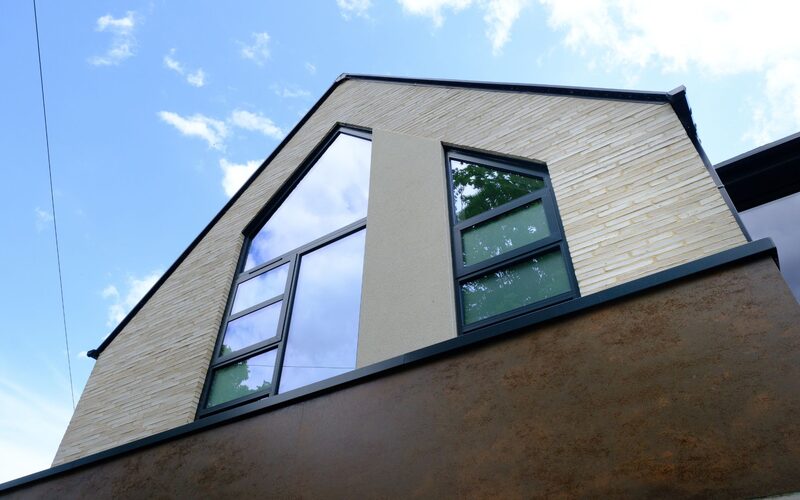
(634, 197)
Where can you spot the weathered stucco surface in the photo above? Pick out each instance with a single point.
(685, 391)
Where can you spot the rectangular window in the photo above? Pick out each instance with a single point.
(509, 251)
(292, 318)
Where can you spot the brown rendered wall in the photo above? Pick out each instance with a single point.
(634, 196)
(691, 389)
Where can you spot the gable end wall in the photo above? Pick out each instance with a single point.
(634, 196)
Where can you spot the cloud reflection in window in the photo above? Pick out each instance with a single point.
(323, 332)
(332, 195)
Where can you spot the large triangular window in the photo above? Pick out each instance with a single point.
(292, 318)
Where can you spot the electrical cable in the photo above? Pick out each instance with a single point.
(53, 204)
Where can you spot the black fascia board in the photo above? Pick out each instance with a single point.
(763, 174)
(738, 255)
(569, 91)
(676, 98)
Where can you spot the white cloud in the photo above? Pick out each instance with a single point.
(779, 115)
(195, 79)
(499, 15)
(123, 42)
(712, 37)
(350, 8)
(31, 427)
(235, 174)
(43, 219)
(258, 50)
(290, 93)
(110, 292)
(312, 70)
(212, 131)
(124, 302)
(173, 64)
(255, 122)
(433, 8)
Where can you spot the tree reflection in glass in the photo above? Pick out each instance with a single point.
(242, 378)
(514, 229)
(332, 195)
(514, 286)
(323, 331)
(477, 189)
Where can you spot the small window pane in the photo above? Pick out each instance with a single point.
(261, 288)
(251, 328)
(323, 332)
(242, 378)
(515, 286)
(332, 195)
(477, 189)
(505, 232)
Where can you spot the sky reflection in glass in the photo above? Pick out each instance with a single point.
(251, 328)
(332, 195)
(514, 286)
(242, 378)
(258, 289)
(323, 333)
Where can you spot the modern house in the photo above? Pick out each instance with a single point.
(443, 288)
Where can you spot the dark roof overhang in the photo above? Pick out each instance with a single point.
(764, 174)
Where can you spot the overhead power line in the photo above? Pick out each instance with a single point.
(53, 205)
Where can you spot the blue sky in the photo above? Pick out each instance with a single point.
(158, 112)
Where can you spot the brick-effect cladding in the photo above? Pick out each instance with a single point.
(634, 196)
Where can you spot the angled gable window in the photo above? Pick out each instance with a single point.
(292, 318)
(508, 245)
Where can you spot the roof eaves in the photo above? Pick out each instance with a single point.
(757, 151)
(587, 92)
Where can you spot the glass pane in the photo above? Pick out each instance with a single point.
(503, 233)
(261, 288)
(251, 328)
(332, 195)
(323, 336)
(477, 189)
(242, 378)
(515, 286)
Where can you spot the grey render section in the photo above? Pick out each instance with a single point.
(634, 196)
(407, 299)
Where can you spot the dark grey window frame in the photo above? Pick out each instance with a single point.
(556, 240)
(292, 260)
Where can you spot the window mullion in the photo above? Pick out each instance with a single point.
(288, 303)
(510, 258)
(254, 308)
(502, 209)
